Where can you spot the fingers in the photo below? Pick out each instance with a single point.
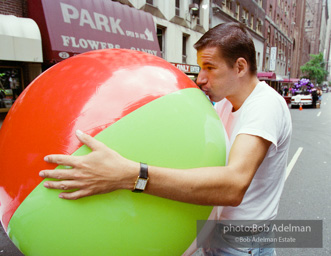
(63, 185)
(65, 160)
(86, 172)
(59, 174)
(88, 140)
(66, 180)
(74, 195)
(68, 185)
(72, 160)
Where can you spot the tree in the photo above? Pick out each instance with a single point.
(314, 69)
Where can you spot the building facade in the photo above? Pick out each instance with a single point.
(179, 24)
(316, 24)
(284, 32)
(279, 31)
(251, 13)
(300, 40)
(328, 45)
(316, 28)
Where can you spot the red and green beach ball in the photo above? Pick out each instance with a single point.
(138, 104)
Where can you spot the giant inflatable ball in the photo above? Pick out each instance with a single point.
(138, 104)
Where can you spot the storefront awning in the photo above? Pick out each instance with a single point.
(20, 39)
(70, 27)
(266, 75)
(291, 80)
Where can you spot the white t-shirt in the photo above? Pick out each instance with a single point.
(265, 114)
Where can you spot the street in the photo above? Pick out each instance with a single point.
(306, 195)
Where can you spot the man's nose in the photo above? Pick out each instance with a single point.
(201, 80)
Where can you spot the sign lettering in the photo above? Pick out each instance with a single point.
(70, 41)
(99, 22)
(187, 68)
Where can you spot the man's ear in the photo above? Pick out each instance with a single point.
(242, 66)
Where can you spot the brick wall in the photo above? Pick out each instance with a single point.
(17, 8)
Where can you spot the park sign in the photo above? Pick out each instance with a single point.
(71, 27)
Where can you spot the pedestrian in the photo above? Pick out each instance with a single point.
(319, 94)
(258, 124)
(14, 85)
(314, 97)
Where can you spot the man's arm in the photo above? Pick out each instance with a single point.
(104, 170)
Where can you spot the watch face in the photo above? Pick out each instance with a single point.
(141, 183)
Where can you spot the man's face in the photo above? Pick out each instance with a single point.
(216, 78)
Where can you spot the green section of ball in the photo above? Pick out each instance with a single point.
(179, 130)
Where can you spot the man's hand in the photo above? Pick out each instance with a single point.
(101, 171)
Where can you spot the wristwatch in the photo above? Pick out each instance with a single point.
(142, 179)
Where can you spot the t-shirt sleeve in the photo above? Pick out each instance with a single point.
(262, 117)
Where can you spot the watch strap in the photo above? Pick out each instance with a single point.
(143, 171)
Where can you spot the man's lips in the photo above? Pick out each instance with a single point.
(205, 91)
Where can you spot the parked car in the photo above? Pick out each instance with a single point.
(302, 99)
(287, 99)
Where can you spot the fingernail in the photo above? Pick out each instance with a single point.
(46, 185)
(46, 158)
(61, 196)
(41, 174)
(79, 132)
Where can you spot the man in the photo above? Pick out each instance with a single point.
(258, 124)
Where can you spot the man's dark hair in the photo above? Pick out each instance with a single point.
(233, 41)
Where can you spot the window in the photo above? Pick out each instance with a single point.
(219, 3)
(276, 39)
(269, 38)
(260, 3)
(287, 30)
(184, 47)
(197, 13)
(270, 11)
(161, 39)
(245, 16)
(11, 85)
(177, 8)
(259, 26)
(252, 22)
(237, 11)
(228, 4)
